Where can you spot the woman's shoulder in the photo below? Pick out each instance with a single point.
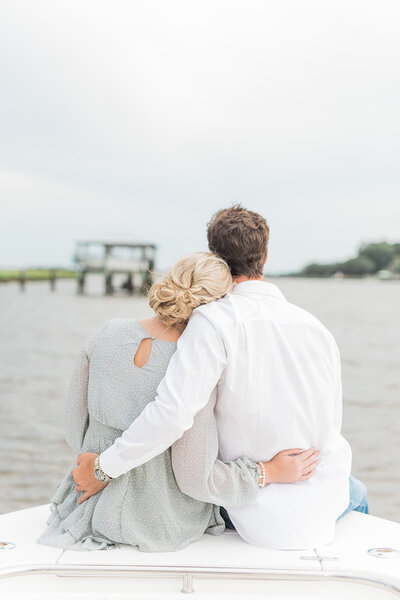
(120, 330)
(120, 326)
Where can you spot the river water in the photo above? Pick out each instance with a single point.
(41, 333)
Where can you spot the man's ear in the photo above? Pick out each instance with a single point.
(266, 258)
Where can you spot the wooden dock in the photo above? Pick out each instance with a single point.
(132, 260)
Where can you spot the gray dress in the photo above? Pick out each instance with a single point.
(145, 507)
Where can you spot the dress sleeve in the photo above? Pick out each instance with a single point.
(76, 413)
(201, 475)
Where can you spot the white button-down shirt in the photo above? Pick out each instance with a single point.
(279, 386)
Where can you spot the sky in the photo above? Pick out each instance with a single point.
(139, 119)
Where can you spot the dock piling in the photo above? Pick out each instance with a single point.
(53, 278)
(22, 280)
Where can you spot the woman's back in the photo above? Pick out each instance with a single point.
(119, 390)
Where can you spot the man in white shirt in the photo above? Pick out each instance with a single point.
(277, 369)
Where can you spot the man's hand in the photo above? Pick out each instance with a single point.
(289, 466)
(84, 476)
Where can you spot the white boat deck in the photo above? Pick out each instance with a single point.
(214, 567)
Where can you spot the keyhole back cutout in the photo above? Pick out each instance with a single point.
(142, 355)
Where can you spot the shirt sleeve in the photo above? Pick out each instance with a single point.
(201, 475)
(192, 374)
(338, 402)
(76, 413)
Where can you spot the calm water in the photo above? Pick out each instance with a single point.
(41, 334)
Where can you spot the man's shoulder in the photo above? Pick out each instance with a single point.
(304, 316)
(233, 309)
(218, 311)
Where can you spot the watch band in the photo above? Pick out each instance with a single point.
(99, 473)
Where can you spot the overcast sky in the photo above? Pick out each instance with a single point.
(139, 119)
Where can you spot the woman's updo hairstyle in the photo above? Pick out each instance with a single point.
(195, 279)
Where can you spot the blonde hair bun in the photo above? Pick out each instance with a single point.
(196, 279)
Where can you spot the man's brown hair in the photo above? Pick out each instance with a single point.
(240, 237)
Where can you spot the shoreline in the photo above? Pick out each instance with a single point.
(10, 275)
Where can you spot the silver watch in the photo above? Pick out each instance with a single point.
(99, 473)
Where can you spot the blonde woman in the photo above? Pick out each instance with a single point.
(116, 375)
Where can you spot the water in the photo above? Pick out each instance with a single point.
(42, 332)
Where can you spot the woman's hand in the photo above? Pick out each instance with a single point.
(289, 466)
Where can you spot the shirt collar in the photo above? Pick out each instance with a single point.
(258, 287)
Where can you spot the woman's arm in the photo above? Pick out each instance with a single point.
(201, 475)
(76, 413)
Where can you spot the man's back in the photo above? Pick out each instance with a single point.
(281, 388)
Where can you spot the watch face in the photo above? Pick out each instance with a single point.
(99, 475)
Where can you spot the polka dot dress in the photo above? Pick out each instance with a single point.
(145, 507)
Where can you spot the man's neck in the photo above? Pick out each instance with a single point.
(242, 278)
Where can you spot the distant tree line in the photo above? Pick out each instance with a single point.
(371, 259)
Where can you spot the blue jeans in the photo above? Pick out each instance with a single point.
(358, 501)
(358, 497)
